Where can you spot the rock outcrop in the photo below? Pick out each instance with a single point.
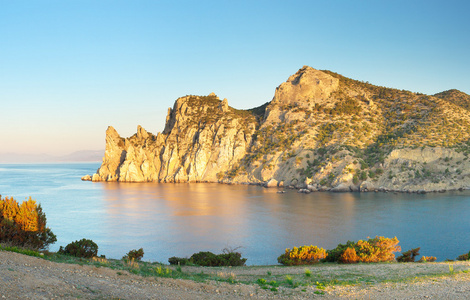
(321, 131)
(202, 137)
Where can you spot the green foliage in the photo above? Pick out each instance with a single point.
(82, 248)
(409, 256)
(308, 273)
(347, 106)
(134, 255)
(20, 250)
(363, 175)
(178, 261)
(205, 258)
(326, 132)
(465, 256)
(209, 259)
(289, 280)
(335, 254)
(355, 179)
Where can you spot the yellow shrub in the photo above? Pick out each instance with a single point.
(24, 225)
(304, 255)
(377, 249)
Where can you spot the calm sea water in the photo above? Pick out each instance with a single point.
(181, 219)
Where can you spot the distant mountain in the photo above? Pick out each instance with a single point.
(321, 131)
(79, 156)
(84, 155)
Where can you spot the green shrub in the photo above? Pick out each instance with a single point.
(334, 255)
(355, 179)
(465, 256)
(304, 255)
(409, 256)
(134, 255)
(233, 259)
(178, 261)
(82, 248)
(209, 259)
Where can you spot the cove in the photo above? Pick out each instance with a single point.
(181, 219)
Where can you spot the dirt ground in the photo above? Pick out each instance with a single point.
(25, 277)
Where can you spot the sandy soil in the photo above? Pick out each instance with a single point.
(25, 277)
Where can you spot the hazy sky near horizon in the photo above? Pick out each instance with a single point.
(69, 69)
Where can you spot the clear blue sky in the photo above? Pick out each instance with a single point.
(68, 69)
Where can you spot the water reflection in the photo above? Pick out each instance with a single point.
(181, 219)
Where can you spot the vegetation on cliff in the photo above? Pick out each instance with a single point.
(321, 131)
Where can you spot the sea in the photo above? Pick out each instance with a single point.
(180, 219)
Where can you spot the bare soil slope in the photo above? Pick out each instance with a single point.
(25, 277)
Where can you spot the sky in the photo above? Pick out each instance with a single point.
(70, 69)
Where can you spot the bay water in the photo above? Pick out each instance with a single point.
(180, 219)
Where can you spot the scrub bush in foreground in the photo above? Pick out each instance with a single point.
(24, 225)
(465, 256)
(304, 255)
(378, 249)
(409, 256)
(209, 259)
(82, 248)
(427, 259)
(134, 255)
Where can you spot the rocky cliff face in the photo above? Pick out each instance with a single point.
(321, 131)
(202, 137)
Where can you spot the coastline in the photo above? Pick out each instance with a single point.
(304, 188)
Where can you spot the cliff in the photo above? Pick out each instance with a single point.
(321, 131)
(202, 137)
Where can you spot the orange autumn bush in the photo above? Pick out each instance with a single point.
(304, 255)
(378, 249)
(427, 259)
(24, 225)
(349, 256)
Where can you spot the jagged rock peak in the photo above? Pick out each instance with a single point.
(223, 106)
(142, 133)
(112, 133)
(307, 84)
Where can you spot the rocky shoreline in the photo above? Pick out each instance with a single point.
(318, 188)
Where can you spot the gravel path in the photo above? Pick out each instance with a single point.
(25, 277)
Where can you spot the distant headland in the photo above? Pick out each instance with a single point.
(321, 131)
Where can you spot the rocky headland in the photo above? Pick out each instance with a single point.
(320, 132)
